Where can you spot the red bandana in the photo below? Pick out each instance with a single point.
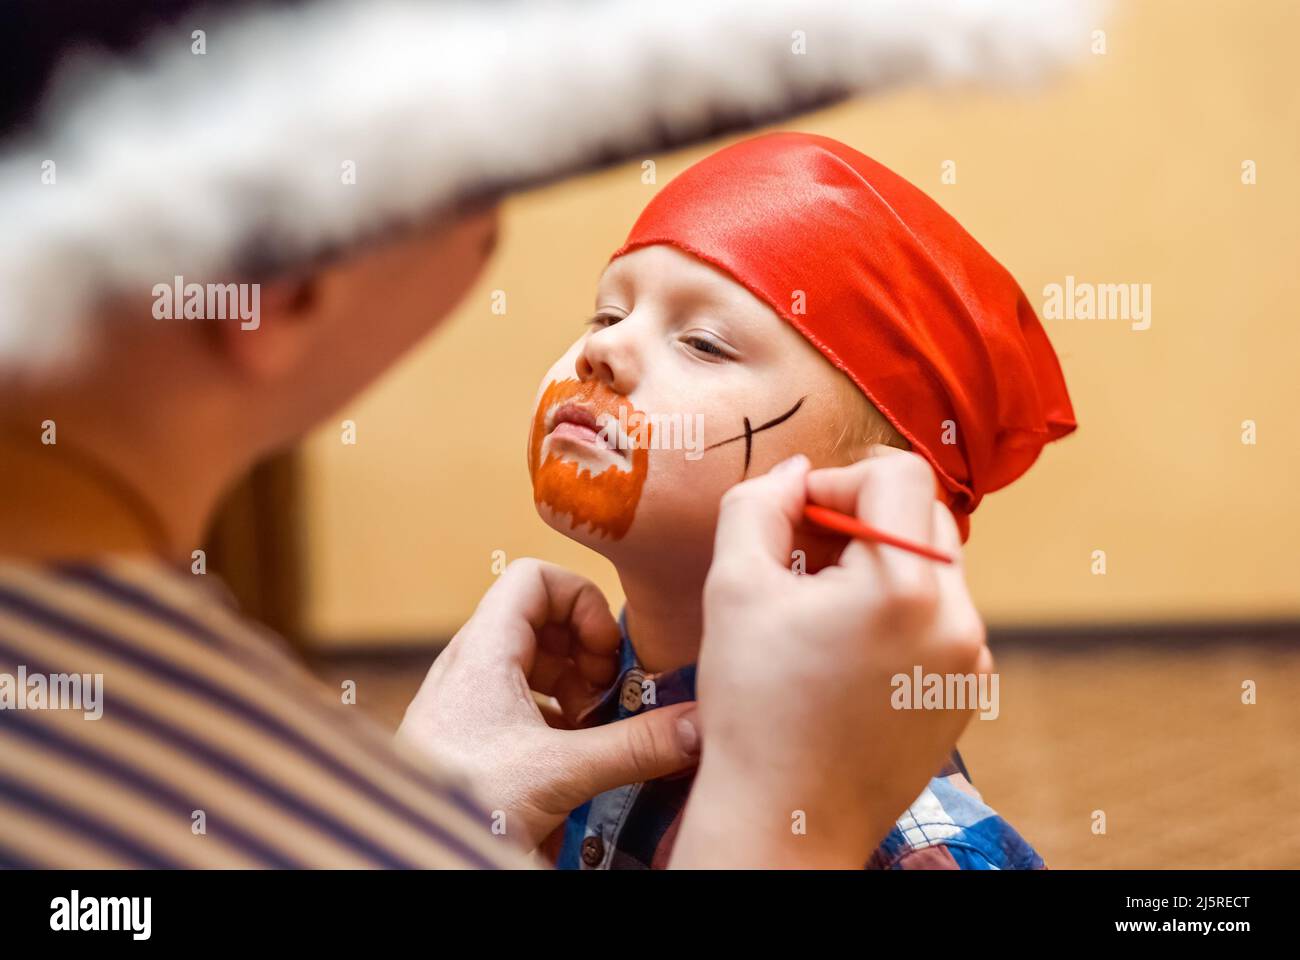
(889, 287)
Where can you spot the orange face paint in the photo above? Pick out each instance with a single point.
(597, 488)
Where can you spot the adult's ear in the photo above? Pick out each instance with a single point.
(274, 330)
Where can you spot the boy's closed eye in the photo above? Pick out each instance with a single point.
(704, 344)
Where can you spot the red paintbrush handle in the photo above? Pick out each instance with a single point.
(853, 527)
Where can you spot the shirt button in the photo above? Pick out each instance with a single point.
(593, 851)
(633, 687)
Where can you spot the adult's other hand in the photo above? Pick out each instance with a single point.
(540, 628)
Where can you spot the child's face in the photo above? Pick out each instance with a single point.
(705, 384)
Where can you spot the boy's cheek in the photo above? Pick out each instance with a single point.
(565, 368)
(682, 497)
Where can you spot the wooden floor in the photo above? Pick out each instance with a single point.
(1153, 734)
(1158, 738)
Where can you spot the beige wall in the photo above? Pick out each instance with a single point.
(1127, 172)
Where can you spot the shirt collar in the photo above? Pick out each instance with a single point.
(635, 690)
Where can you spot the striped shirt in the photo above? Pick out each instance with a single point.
(213, 747)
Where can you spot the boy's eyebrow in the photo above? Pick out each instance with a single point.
(619, 283)
(698, 296)
(610, 278)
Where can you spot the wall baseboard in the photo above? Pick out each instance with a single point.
(1055, 638)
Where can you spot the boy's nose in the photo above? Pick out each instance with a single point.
(609, 356)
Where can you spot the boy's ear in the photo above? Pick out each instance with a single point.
(272, 336)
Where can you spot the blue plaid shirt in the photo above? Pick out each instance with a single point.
(948, 827)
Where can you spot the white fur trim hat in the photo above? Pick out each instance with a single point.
(275, 132)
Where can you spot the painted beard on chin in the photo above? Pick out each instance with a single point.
(581, 464)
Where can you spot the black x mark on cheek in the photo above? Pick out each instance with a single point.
(750, 431)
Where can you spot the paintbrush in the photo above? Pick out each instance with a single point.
(837, 522)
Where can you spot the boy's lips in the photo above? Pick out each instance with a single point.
(578, 423)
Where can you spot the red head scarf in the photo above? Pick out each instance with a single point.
(896, 294)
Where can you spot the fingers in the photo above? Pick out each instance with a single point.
(893, 491)
(558, 640)
(558, 628)
(655, 744)
(532, 598)
(957, 620)
(837, 487)
(951, 577)
(572, 687)
(946, 535)
(551, 712)
(757, 518)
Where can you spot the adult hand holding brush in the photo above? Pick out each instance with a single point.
(838, 754)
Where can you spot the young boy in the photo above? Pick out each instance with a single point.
(785, 295)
